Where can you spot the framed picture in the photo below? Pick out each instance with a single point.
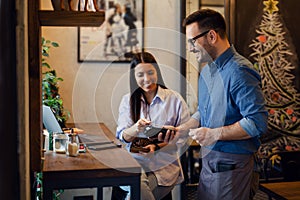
(118, 37)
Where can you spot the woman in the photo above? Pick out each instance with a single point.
(150, 102)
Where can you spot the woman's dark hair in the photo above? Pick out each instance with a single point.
(135, 91)
(208, 19)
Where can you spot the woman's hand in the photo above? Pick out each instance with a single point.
(130, 133)
(152, 147)
(155, 146)
(141, 124)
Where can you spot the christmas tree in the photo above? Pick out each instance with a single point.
(275, 60)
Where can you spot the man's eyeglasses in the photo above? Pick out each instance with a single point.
(193, 40)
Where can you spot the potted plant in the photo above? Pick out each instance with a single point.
(50, 85)
(51, 98)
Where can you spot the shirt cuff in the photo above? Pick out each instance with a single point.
(249, 126)
(196, 116)
(122, 138)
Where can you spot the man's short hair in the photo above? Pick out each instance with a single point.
(208, 19)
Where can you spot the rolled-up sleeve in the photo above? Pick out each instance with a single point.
(250, 100)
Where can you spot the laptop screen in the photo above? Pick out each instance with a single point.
(49, 121)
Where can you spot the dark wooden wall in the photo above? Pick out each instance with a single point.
(9, 164)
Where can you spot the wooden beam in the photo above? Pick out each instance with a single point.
(71, 18)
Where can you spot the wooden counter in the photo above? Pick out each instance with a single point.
(282, 190)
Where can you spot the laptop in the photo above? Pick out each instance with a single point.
(93, 141)
(49, 120)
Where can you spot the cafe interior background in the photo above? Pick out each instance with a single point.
(92, 88)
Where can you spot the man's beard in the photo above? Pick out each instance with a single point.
(203, 57)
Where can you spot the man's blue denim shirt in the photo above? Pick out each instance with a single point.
(229, 92)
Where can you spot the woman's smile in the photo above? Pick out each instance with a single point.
(146, 77)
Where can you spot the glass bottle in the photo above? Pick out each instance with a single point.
(72, 146)
(59, 142)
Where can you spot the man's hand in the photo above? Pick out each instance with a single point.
(173, 134)
(205, 136)
(180, 131)
(169, 135)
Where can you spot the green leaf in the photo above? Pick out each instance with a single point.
(50, 81)
(45, 54)
(55, 44)
(46, 65)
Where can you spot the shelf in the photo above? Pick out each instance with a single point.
(71, 18)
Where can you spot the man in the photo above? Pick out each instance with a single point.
(231, 112)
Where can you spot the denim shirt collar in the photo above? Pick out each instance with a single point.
(224, 57)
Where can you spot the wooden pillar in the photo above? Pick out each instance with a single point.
(9, 163)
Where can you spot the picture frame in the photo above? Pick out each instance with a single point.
(118, 37)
